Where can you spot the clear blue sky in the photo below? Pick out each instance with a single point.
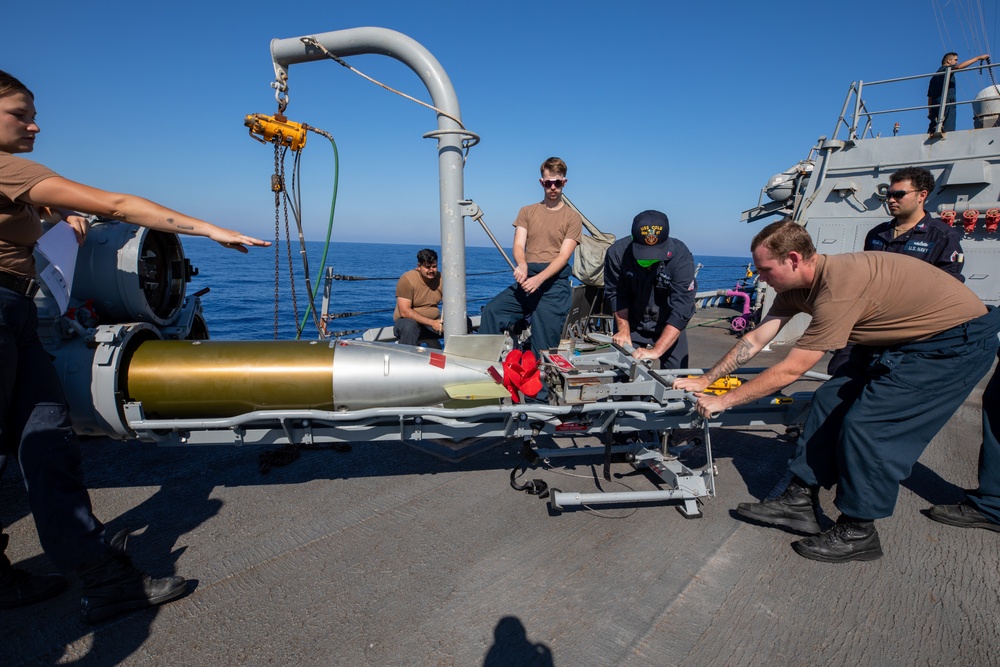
(684, 107)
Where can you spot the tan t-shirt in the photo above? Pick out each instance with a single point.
(878, 299)
(547, 229)
(424, 298)
(20, 226)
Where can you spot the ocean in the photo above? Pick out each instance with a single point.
(239, 303)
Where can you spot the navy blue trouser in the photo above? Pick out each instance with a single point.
(548, 308)
(869, 424)
(411, 332)
(35, 426)
(987, 497)
(948, 124)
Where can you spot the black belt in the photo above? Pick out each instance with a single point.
(20, 284)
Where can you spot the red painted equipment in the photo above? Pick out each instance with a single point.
(948, 217)
(969, 220)
(992, 220)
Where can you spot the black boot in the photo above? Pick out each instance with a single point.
(112, 585)
(850, 539)
(19, 588)
(962, 515)
(795, 508)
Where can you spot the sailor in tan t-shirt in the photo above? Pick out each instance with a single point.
(544, 239)
(35, 421)
(418, 297)
(921, 343)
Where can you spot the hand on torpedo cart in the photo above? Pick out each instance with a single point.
(623, 337)
(707, 404)
(775, 378)
(642, 353)
(664, 342)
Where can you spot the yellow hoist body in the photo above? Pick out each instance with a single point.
(276, 128)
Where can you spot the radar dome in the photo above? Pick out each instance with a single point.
(986, 108)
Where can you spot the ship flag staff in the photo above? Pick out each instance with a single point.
(921, 343)
(34, 418)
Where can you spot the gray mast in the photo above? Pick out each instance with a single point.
(358, 41)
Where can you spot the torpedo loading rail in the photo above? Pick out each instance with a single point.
(603, 393)
(278, 427)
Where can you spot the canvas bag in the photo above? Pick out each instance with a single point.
(588, 257)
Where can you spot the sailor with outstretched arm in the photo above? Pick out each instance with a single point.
(35, 423)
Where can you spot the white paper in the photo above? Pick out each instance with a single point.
(59, 246)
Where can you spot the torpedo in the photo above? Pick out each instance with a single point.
(181, 378)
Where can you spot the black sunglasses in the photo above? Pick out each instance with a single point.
(898, 194)
(555, 183)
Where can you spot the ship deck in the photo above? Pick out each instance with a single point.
(386, 555)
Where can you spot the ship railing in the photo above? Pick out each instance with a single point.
(861, 114)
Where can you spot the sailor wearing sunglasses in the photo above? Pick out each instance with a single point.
(545, 235)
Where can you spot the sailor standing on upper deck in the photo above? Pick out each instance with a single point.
(935, 90)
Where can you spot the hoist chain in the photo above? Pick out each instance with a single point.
(990, 70)
(277, 185)
(281, 203)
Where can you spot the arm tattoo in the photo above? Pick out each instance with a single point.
(741, 353)
(187, 228)
(744, 352)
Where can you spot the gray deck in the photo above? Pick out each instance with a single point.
(388, 556)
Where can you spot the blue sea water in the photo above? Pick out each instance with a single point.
(240, 302)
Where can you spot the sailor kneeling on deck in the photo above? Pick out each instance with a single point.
(650, 287)
(921, 343)
(418, 299)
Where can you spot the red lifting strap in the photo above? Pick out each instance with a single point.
(521, 372)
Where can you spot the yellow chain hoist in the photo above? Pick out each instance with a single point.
(722, 385)
(276, 129)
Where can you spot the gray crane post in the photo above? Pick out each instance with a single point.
(358, 41)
